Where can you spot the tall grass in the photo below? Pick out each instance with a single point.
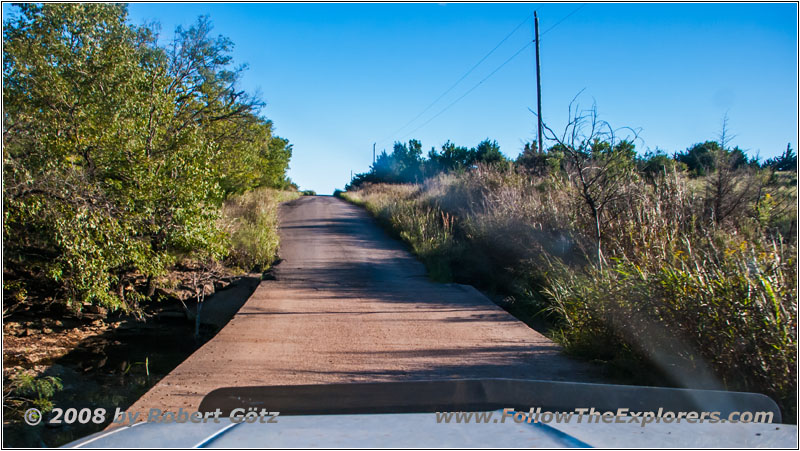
(251, 220)
(427, 229)
(679, 298)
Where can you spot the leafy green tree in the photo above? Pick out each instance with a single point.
(407, 161)
(255, 158)
(450, 158)
(531, 159)
(655, 163)
(787, 161)
(75, 144)
(403, 165)
(700, 159)
(118, 152)
(488, 152)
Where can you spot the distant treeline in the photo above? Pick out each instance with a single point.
(119, 151)
(406, 163)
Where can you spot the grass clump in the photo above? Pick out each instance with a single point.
(251, 220)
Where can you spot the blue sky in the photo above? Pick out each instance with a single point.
(338, 77)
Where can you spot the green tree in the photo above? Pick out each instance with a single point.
(656, 163)
(118, 152)
(450, 158)
(787, 161)
(488, 152)
(700, 159)
(74, 135)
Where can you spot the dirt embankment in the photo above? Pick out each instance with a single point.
(110, 359)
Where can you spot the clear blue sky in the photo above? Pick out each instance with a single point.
(338, 77)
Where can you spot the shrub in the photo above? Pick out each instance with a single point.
(24, 389)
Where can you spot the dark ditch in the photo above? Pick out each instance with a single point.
(115, 368)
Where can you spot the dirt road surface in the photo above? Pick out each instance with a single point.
(351, 304)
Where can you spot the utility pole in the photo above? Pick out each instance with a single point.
(538, 81)
(373, 153)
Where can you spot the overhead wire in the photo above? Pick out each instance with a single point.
(471, 69)
(470, 90)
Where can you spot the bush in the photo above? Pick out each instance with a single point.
(24, 389)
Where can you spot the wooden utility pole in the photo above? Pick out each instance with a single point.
(373, 153)
(538, 81)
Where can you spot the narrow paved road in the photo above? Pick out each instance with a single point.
(351, 304)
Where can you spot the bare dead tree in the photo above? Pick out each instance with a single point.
(598, 161)
(733, 185)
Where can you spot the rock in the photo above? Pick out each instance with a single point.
(47, 330)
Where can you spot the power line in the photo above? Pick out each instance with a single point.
(493, 72)
(469, 91)
(563, 19)
(460, 79)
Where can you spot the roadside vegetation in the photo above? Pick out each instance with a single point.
(123, 157)
(251, 220)
(677, 269)
(135, 170)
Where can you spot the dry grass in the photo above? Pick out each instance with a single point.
(251, 220)
(677, 299)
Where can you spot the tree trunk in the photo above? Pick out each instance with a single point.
(200, 300)
(151, 287)
(598, 236)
